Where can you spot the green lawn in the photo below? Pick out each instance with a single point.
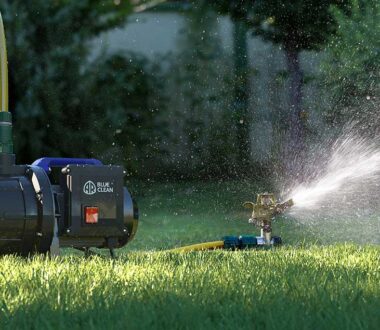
(175, 214)
(299, 285)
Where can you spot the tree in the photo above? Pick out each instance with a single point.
(199, 97)
(239, 11)
(297, 25)
(351, 70)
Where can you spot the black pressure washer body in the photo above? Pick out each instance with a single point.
(87, 206)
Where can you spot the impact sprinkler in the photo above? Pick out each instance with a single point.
(88, 206)
(263, 212)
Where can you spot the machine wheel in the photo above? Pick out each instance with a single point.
(277, 240)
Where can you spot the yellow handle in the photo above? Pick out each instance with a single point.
(3, 69)
(200, 247)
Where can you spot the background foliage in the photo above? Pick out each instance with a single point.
(66, 104)
(352, 67)
(189, 114)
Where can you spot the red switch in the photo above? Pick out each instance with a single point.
(91, 214)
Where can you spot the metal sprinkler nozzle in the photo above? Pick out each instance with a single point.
(263, 211)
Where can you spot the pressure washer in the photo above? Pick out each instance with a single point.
(86, 206)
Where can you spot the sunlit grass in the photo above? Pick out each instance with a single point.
(314, 287)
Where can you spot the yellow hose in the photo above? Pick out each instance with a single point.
(3, 69)
(200, 247)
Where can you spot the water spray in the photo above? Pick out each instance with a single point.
(353, 166)
(87, 207)
(338, 202)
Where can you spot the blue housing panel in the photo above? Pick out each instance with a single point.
(47, 162)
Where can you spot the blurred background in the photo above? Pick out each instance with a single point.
(190, 89)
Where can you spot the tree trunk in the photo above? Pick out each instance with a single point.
(296, 144)
(241, 87)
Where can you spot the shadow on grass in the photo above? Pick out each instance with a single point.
(166, 310)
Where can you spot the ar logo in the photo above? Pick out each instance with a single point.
(89, 188)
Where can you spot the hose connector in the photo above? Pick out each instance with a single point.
(6, 141)
(6, 136)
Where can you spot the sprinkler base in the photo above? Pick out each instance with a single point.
(249, 242)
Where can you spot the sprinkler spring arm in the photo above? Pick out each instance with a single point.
(250, 205)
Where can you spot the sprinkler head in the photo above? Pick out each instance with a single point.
(263, 211)
(266, 207)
